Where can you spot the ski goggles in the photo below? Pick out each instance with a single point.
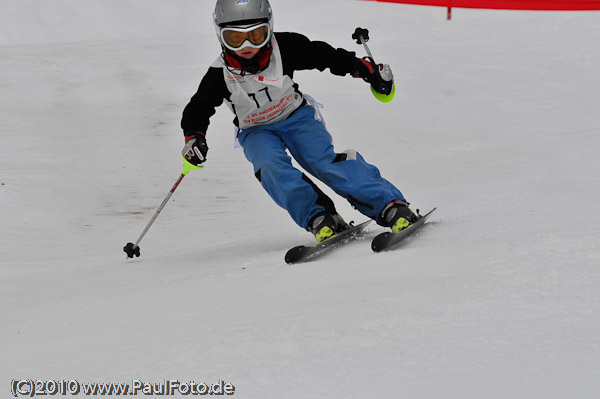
(256, 36)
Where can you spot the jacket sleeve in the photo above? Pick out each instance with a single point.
(300, 53)
(210, 95)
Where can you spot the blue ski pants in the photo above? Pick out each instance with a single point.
(308, 141)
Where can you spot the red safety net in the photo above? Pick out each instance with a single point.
(548, 5)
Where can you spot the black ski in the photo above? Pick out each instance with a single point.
(389, 240)
(303, 253)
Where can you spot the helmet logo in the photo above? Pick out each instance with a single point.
(241, 2)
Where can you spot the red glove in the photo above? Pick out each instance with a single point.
(363, 69)
(381, 79)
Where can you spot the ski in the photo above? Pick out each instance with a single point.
(389, 240)
(303, 253)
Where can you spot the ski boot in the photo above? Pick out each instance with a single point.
(327, 225)
(398, 216)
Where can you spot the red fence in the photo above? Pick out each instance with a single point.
(556, 5)
(536, 5)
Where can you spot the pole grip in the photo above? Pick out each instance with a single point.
(383, 91)
(187, 166)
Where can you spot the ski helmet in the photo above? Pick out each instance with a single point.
(242, 13)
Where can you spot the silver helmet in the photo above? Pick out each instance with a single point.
(241, 13)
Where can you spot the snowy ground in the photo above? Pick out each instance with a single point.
(495, 122)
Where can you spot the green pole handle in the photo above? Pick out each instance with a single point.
(188, 166)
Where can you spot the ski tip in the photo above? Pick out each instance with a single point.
(303, 253)
(378, 243)
(388, 240)
(295, 254)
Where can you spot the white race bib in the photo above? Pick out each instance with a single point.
(261, 99)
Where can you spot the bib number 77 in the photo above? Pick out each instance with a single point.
(253, 96)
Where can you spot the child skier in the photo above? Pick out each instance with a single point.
(254, 76)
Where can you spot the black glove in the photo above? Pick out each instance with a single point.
(195, 148)
(381, 79)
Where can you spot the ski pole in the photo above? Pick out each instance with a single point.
(385, 89)
(361, 35)
(132, 249)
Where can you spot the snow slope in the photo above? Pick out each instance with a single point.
(495, 122)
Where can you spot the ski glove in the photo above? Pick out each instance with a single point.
(381, 79)
(195, 147)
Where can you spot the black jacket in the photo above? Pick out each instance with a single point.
(297, 53)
